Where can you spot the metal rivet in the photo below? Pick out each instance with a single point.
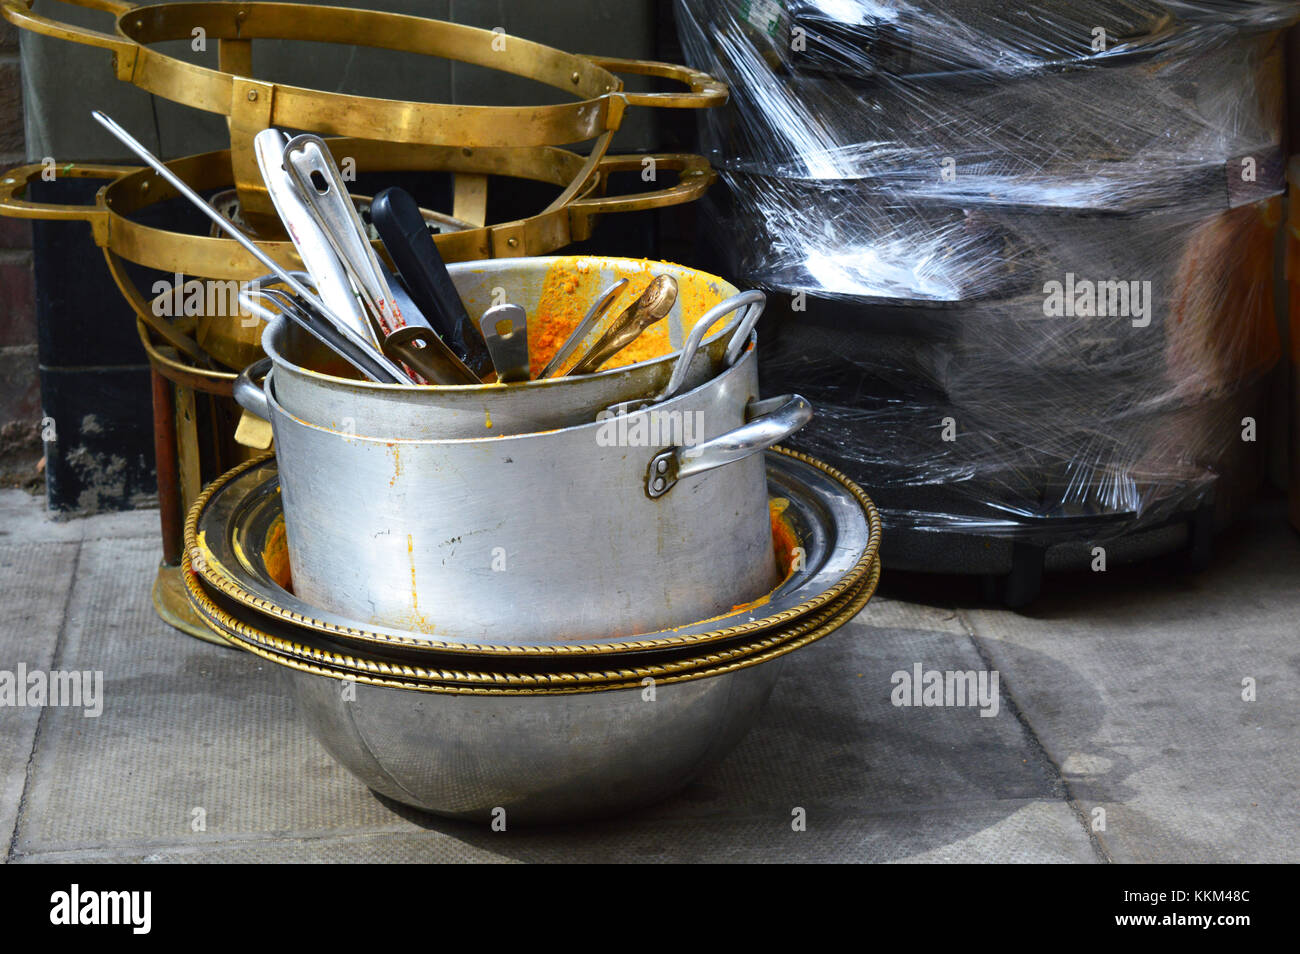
(575, 78)
(512, 242)
(659, 483)
(661, 466)
(252, 95)
(10, 181)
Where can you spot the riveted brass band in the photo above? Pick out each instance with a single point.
(598, 106)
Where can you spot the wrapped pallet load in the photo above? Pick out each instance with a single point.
(1027, 254)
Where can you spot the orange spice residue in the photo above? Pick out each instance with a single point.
(275, 554)
(784, 540)
(570, 287)
(785, 544)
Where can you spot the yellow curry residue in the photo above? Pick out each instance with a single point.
(570, 287)
(275, 554)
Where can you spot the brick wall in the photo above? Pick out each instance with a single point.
(20, 403)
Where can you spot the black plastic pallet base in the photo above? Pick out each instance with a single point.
(1187, 538)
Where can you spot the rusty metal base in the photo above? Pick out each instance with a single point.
(172, 605)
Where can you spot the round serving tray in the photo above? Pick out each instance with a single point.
(230, 619)
(239, 636)
(230, 526)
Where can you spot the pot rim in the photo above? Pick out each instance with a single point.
(278, 411)
(491, 265)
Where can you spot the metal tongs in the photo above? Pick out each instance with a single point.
(651, 306)
(594, 313)
(754, 301)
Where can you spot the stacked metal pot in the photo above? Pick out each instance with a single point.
(554, 599)
(922, 175)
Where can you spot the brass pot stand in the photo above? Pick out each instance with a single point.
(250, 105)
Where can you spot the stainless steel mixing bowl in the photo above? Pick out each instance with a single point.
(540, 758)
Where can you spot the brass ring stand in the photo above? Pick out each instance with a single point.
(251, 105)
(182, 361)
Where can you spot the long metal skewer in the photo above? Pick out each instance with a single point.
(229, 228)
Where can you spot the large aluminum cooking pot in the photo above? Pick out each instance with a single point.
(396, 410)
(642, 521)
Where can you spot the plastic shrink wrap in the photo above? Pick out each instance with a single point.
(1027, 251)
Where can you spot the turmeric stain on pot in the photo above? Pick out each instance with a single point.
(785, 545)
(410, 555)
(397, 464)
(785, 542)
(418, 622)
(275, 555)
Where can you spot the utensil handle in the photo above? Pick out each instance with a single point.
(753, 301)
(16, 181)
(18, 13)
(744, 330)
(250, 395)
(406, 238)
(705, 91)
(769, 422)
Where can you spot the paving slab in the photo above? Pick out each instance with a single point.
(35, 579)
(196, 742)
(24, 517)
(1034, 831)
(831, 739)
(1134, 685)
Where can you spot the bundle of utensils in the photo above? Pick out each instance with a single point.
(411, 328)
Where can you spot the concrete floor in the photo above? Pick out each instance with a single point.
(1121, 691)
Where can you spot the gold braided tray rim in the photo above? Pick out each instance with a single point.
(849, 610)
(224, 622)
(234, 591)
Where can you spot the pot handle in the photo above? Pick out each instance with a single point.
(248, 394)
(704, 90)
(18, 12)
(15, 181)
(769, 422)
